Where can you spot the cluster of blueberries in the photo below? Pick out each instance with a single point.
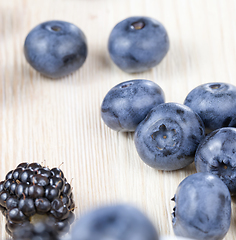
(169, 136)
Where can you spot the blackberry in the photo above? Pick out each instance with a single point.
(31, 190)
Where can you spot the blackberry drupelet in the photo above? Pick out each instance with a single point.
(31, 190)
(40, 231)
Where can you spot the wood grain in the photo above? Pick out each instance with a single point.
(59, 120)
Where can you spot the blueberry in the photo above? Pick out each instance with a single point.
(119, 222)
(215, 104)
(174, 238)
(137, 44)
(168, 137)
(216, 154)
(128, 103)
(203, 208)
(55, 48)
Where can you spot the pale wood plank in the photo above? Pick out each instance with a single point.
(59, 121)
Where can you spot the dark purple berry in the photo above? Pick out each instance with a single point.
(40, 180)
(4, 195)
(16, 216)
(67, 189)
(9, 175)
(16, 173)
(57, 172)
(26, 205)
(46, 172)
(59, 210)
(62, 226)
(2, 186)
(43, 205)
(7, 184)
(12, 188)
(34, 166)
(57, 182)
(26, 176)
(66, 200)
(22, 190)
(36, 191)
(12, 202)
(23, 165)
(51, 193)
(31, 189)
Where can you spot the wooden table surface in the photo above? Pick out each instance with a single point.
(58, 121)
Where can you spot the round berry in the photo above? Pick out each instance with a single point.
(36, 191)
(12, 202)
(168, 137)
(55, 48)
(34, 166)
(26, 205)
(43, 205)
(59, 210)
(23, 165)
(57, 172)
(51, 193)
(46, 172)
(215, 104)
(120, 222)
(128, 103)
(16, 215)
(17, 172)
(30, 189)
(2, 183)
(40, 180)
(216, 154)
(26, 176)
(22, 190)
(137, 44)
(62, 226)
(203, 207)
(4, 195)
(67, 189)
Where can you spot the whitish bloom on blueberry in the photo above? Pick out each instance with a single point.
(214, 103)
(169, 136)
(55, 48)
(203, 208)
(128, 103)
(216, 154)
(119, 222)
(137, 44)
